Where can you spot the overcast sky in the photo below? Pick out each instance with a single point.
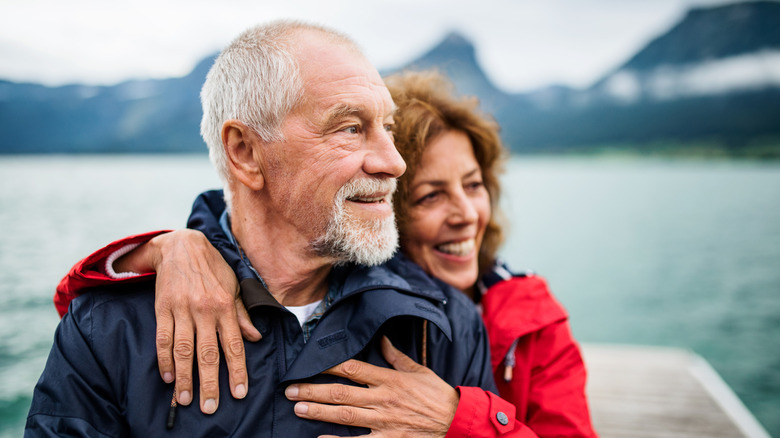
(522, 44)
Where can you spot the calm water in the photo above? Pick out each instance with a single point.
(640, 251)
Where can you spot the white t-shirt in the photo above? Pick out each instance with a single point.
(303, 312)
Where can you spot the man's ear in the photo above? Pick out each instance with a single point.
(243, 148)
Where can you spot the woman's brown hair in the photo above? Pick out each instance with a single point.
(427, 107)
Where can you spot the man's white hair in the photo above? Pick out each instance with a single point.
(255, 80)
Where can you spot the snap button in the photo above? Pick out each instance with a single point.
(502, 418)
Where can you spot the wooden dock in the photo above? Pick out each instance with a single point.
(659, 392)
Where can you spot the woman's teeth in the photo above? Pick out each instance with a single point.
(462, 248)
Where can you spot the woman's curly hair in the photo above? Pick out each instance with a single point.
(427, 108)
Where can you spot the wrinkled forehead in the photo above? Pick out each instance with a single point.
(330, 66)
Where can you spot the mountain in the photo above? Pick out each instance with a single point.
(710, 83)
(712, 51)
(455, 56)
(713, 33)
(134, 116)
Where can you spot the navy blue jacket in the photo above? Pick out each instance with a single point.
(101, 378)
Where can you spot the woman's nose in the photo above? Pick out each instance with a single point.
(462, 209)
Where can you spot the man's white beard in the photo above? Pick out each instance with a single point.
(348, 239)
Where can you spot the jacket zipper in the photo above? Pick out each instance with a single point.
(509, 361)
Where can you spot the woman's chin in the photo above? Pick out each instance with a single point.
(460, 280)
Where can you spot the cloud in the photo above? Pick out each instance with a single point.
(522, 45)
(753, 71)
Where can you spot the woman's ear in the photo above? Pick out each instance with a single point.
(243, 148)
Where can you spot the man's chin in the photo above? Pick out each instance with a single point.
(375, 242)
(363, 242)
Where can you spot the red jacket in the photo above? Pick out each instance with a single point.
(545, 396)
(547, 382)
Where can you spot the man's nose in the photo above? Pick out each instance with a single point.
(383, 157)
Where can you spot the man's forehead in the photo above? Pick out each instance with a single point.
(316, 40)
(330, 59)
(340, 72)
(359, 88)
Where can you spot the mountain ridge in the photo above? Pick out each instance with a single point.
(712, 33)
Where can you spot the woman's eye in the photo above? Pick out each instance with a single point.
(476, 185)
(430, 197)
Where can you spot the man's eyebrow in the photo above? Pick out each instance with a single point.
(340, 112)
(344, 110)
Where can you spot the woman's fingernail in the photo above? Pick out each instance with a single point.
(184, 397)
(210, 406)
(291, 391)
(168, 377)
(301, 408)
(240, 390)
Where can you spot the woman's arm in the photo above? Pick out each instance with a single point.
(408, 400)
(196, 292)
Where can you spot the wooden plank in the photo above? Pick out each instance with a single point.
(638, 391)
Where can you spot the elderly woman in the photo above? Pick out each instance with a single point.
(446, 207)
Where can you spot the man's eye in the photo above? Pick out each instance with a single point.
(351, 129)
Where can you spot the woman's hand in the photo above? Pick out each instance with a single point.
(410, 400)
(196, 293)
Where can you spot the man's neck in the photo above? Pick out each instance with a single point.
(292, 274)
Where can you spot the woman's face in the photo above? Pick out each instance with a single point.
(449, 211)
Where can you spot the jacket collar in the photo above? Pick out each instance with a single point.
(359, 279)
(370, 297)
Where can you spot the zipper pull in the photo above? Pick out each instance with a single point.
(509, 361)
(508, 370)
(172, 411)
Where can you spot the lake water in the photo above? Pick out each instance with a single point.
(642, 251)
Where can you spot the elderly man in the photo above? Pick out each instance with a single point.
(297, 122)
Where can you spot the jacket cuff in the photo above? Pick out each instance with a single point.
(481, 414)
(91, 271)
(109, 268)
